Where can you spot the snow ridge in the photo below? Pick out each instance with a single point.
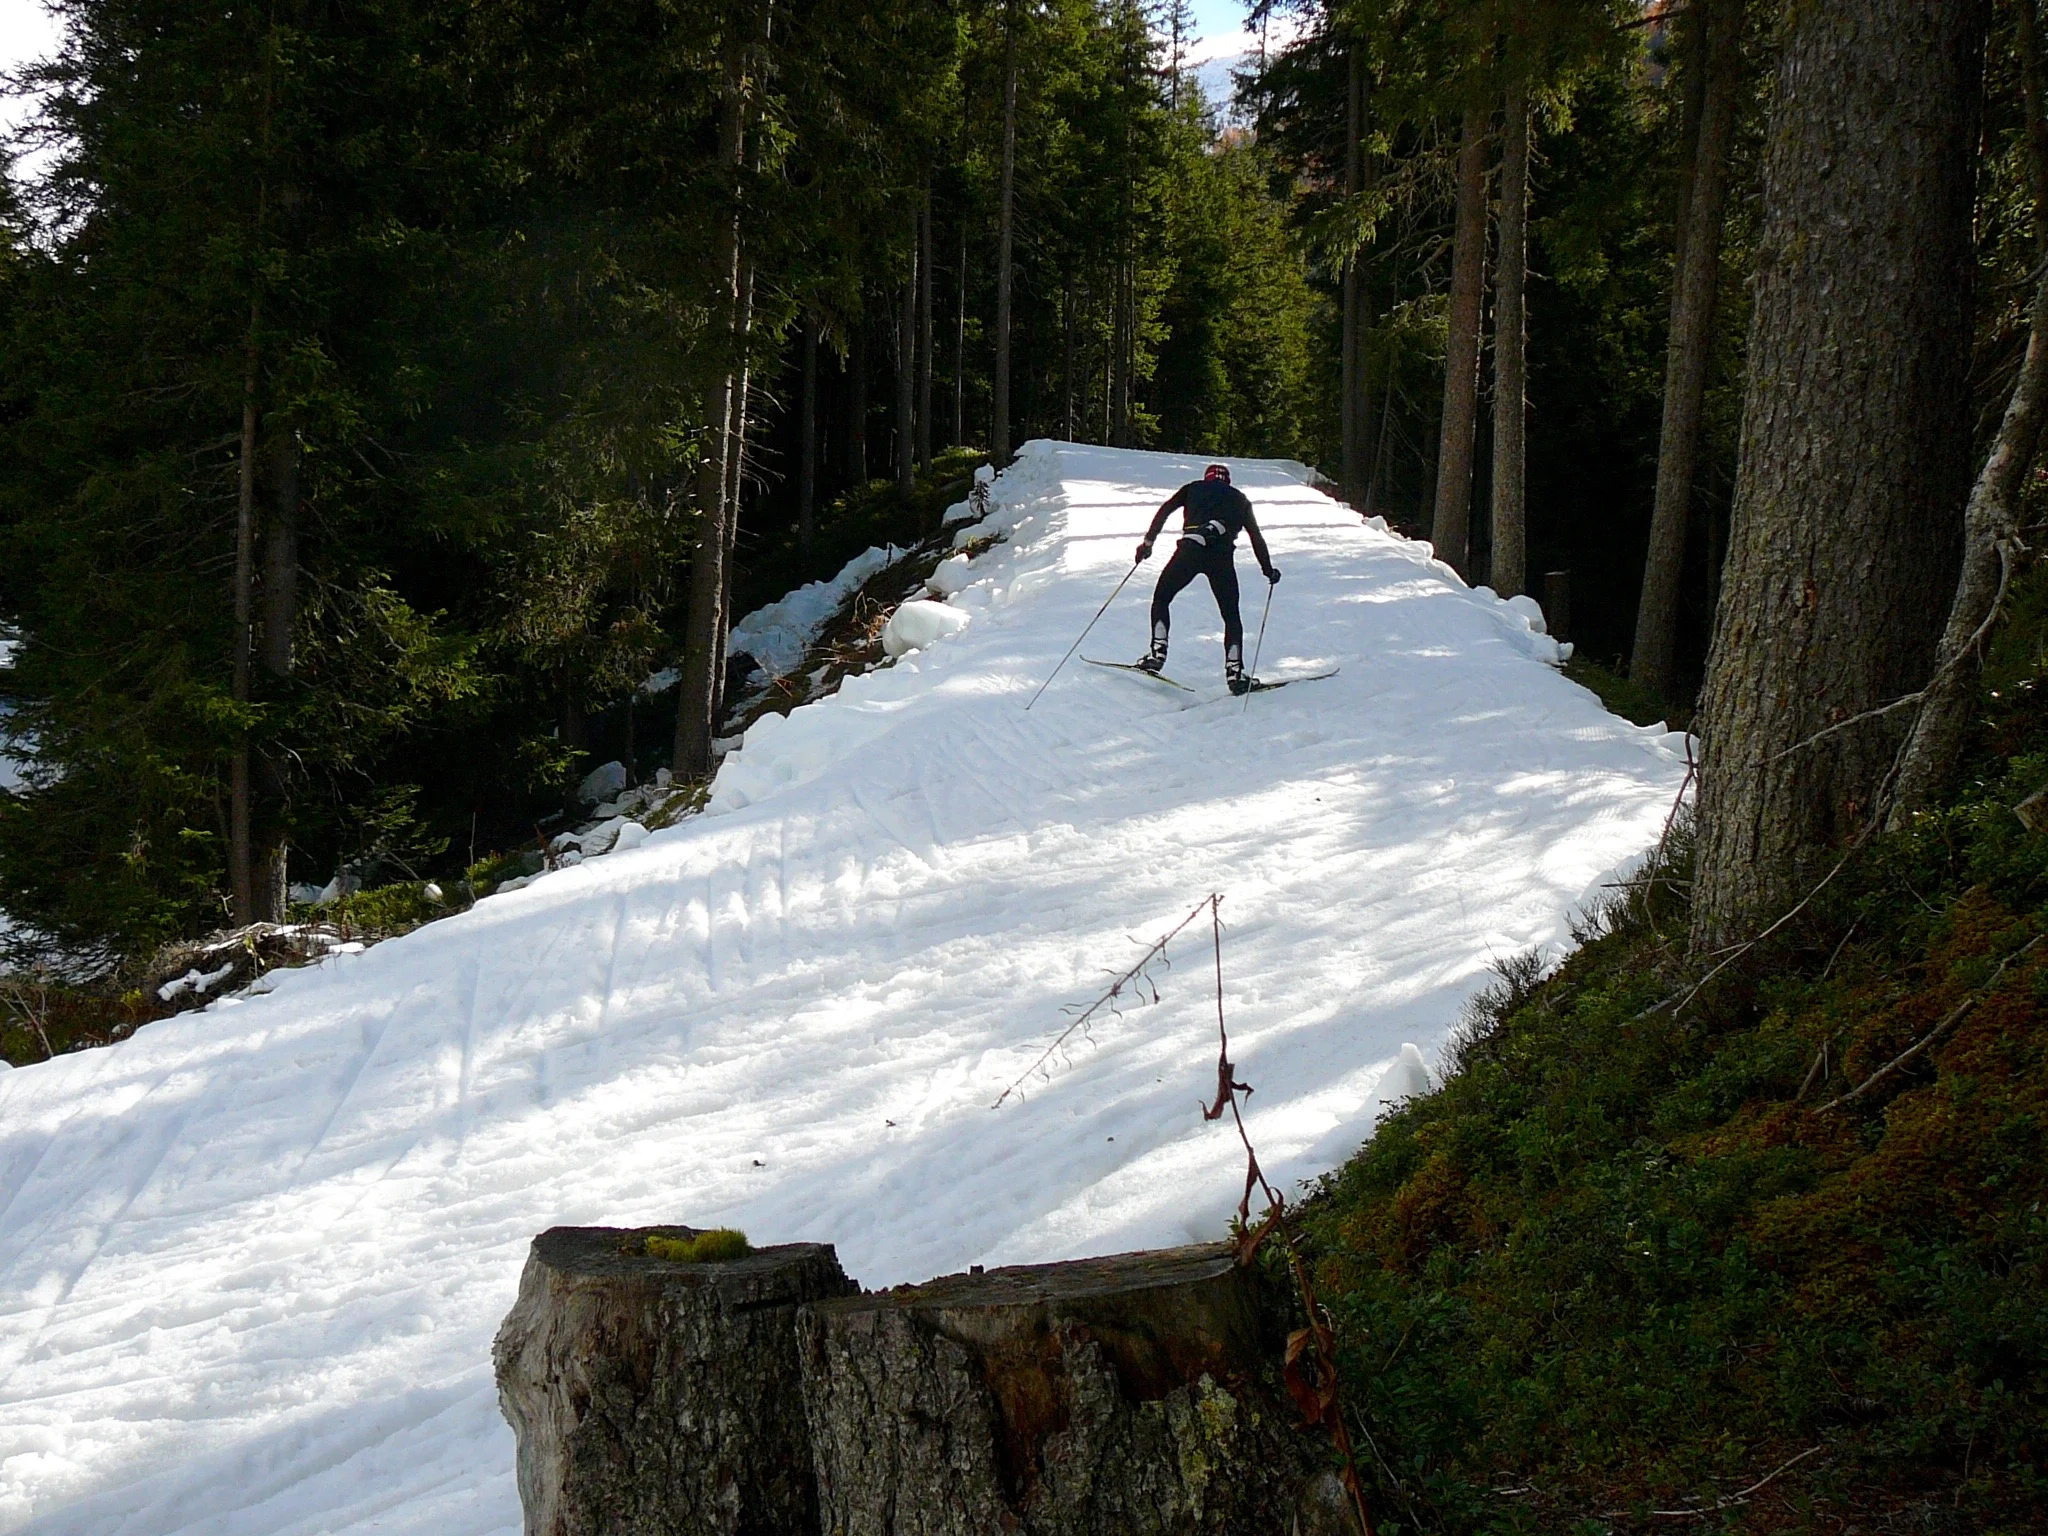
(251, 1259)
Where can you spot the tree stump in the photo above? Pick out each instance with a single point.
(1105, 1397)
(660, 1398)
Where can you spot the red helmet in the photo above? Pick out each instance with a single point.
(1217, 472)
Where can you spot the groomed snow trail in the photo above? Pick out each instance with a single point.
(251, 1260)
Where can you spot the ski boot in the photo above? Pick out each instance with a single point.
(1154, 659)
(1234, 674)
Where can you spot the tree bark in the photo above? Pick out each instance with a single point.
(1349, 385)
(1508, 569)
(1451, 528)
(735, 476)
(1855, 442)
(702, 665)
(807, 468)
(999, 436)
(1695, 289)
(657, 1396)
(1098, 1398)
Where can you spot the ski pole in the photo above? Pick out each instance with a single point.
(1253, 676)
(1084, 633)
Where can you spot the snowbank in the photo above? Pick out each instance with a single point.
(778, 635)
(251, 1259)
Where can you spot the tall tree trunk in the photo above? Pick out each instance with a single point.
(857, 401)
(1451, 529)
(1855, 442)
(999, 436)
(241, 875)
(1991, 540)
(1652, 659)
(702, 665)
(906, 375)
(280, 620)
(2027, 33)
(807, 468)
(736, 471)
(924, 332)
(960, 348)
(1508, 570)
(1349, 383)
(1067, 360)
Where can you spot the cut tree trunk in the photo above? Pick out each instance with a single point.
(1508, 571)
(1097, 1398)
(1697, 286)
(1854, 466)
(1451, 528)
(999, 436)
(656, 1397)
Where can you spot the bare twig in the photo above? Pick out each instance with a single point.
(1933, 1034)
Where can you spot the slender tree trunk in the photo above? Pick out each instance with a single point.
(1451, 529)
(807, 469)
(1652, 660)
(736, 471)
(2027, 32)
(960, 348)
(1067, 360)
(857, 401)
(241, 876)
(280, 620)
(1508, 569)
(906, 374)
(999, 437)
(1991, 540)
(702, 665)
(1349, 383)
(924, 333)
(1855, 443)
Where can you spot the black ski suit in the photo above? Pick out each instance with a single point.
(1212, 512)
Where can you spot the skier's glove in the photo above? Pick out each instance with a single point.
(1272, 573)
(1144, 551)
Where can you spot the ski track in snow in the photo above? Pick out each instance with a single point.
(252, 1259)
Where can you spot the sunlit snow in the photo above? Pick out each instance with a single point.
(251, 1260)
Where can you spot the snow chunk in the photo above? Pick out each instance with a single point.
(919, 623)
(954, 573)
(1525, 605)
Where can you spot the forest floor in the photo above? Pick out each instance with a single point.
(251, 1258)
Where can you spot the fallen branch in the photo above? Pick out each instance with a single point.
(1732, 1500)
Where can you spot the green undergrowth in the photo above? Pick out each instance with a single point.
(1632, 1261)
(1631, 700)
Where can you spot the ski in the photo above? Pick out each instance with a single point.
(1125, 666)
(1268, 684)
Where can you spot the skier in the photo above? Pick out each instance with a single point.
(1212, 511)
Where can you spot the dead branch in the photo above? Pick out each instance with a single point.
(1106, 1000)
